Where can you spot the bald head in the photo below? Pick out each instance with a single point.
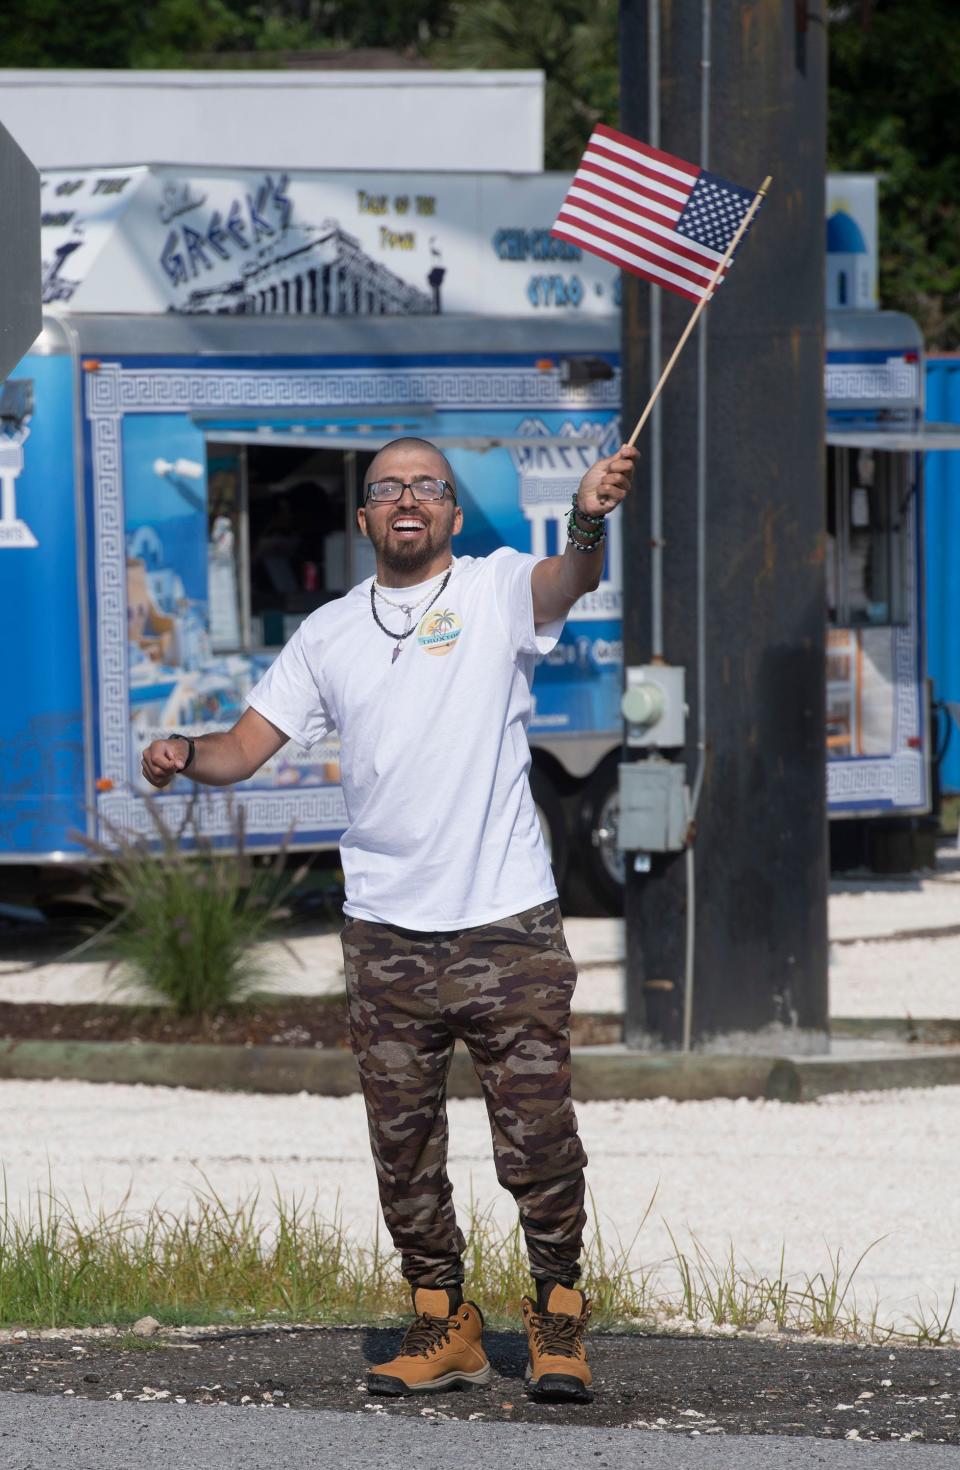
(405, 458)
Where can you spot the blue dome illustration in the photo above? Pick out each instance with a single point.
(844, 236)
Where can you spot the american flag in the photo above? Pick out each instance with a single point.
(651, 213)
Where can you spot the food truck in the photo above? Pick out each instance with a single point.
(181, 451)
(223, 352)
(880, 735)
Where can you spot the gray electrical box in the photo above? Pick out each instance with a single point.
(653, 806)
(654, 705)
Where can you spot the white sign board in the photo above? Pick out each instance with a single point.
(852, 241)
(300, 243)
(410, 119)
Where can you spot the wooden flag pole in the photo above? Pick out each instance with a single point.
(744, 225)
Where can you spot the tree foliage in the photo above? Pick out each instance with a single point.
(574, 42)
(190, 33)
(894, 78)
(894, 66)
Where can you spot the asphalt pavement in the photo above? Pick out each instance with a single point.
(49, 1434)
(245, 1398)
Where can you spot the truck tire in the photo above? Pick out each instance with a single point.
(601, 862)
(550, 812)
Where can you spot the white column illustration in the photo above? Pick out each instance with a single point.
(539, 514)
(549, 476)
(13, 531)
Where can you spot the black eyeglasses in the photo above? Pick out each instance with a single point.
(382, 492)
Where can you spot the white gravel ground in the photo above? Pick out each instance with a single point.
(833, 1175)
(912, 977)
(868, 904)
(919, 977)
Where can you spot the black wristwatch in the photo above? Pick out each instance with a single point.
(191, 752)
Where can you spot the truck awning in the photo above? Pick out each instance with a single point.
(921, 440)
(369, 435)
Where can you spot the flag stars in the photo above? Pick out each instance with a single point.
(712, 213)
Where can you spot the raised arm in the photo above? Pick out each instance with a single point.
(219, 759)
(558, 581)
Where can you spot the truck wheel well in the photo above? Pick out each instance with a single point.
(562, 782)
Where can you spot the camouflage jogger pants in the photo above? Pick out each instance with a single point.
(505, 989)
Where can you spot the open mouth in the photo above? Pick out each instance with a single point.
(408, 527)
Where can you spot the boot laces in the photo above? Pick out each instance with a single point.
(424, 1334)
(558, 1335)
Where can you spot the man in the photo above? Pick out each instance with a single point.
(452, 924)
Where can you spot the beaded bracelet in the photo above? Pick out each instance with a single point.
(594, 545)
(593, 520)
(581, 530)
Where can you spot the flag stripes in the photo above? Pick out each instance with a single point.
(627, 259)
(652, 237)
(673, 187)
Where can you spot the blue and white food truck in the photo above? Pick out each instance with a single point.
(180, 456)
(879, 728)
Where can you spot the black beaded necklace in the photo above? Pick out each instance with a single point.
(408, 610)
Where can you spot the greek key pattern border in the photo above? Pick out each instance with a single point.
(897, 782)
(111, 615)
(114, 389)
(266, 813)
(870, 382)
(906, 717)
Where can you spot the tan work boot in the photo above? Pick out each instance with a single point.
(558, 1367)
(440, 1350)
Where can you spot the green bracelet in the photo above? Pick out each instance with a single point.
(588, 535)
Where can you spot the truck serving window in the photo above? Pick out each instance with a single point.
(281, 537)
(868, 499)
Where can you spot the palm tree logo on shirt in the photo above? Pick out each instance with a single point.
(438, 631)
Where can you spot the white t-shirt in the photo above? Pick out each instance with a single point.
(434, 758)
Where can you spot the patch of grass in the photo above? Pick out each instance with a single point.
(728, 1293)
(828, 1299)
(188, 914)
(723, 1294)
(497, 1273)
(932, 1324)
(287, 1263)
(215, 1263)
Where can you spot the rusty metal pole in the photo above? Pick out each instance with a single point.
(754, 655)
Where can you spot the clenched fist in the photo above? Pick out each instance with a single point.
(162, 759)
(607, 482)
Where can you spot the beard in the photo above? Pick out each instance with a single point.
(404, 557)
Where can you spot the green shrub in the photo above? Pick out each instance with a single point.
(188, 915)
